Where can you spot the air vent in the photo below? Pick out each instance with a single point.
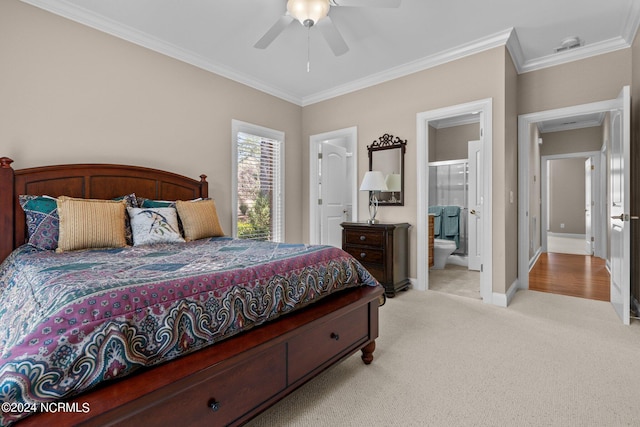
(569, 43)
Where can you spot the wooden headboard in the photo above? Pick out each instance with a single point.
(89, 181)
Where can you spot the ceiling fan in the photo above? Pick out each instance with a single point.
(315, 13)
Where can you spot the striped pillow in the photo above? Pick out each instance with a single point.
(199, 219)
(91, 223)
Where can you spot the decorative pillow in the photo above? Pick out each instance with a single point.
(42, 220)
(199, 219)
(149, 203)
(90, 223)
(154, 225)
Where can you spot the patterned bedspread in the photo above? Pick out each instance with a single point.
(70, 321)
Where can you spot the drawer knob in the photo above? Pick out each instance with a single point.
(335, 336)
(363, 238)
(214, 405)
(363, 254)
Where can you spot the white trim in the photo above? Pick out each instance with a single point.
(525, 121)
(584, 52)
(568, 235)
(507, 37)
(535, 257)
(351, 134)
(485, 107)
(240, 126)
(503, 300)
(546, 128)
(477, 46)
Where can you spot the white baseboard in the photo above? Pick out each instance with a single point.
(503, 300)
(568, 235)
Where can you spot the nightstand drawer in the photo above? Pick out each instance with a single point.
(366, 255)
(365, 237)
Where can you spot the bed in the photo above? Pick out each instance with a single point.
(211, 331)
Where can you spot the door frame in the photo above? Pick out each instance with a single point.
(525, 121)
(315, 141)
(484, 107)
(596, 191)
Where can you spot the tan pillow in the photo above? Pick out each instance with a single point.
(91, 223)
(199, 219)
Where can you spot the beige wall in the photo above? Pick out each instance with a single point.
(74, 94)
(572, 141)
(535, 193)
(391, 107)
(567, 196)
(511, 173)
(597, 78)
(452, 143)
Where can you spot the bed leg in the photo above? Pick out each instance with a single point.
(367, 352)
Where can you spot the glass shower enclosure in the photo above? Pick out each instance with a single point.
(449, 186)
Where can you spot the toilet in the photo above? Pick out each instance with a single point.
(441, 251)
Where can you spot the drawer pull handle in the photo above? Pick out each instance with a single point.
(363, 254)
(214, 405)
(335, 336)
(363, 238)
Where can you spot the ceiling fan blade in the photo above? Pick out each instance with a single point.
(366, 3)
(332, 36)
(274, 32)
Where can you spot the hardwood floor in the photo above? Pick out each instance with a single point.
(573, 275)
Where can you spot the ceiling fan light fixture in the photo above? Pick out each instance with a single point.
(308, 12)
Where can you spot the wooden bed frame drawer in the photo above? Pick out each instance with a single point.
(216, 398)
(327, 341)
(364, 237)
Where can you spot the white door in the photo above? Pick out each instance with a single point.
(474, 203)
(588, 207)
(620, 234)
(333, 193)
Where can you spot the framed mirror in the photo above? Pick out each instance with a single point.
(386, 154)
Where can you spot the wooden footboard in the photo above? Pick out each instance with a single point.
(231, 382)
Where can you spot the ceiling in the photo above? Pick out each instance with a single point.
(218, 35)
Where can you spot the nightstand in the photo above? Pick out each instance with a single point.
(383, 249)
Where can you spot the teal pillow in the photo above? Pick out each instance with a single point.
(43, 222)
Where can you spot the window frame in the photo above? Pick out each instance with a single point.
(238, 126)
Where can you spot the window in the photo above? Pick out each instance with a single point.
(258, 179)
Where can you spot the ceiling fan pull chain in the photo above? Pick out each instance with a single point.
(308, 49)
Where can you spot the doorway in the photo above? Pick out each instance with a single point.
(572, 202)
(617, 140)
(483, 109)
(332, 196)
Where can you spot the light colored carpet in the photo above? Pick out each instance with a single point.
(444, 360)
(455, 279)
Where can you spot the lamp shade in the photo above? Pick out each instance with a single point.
(373, 181)
(393, 182)
(308, 12)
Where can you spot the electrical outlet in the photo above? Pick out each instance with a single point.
(562, 225)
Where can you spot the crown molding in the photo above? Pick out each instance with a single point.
(508, 38)
(82, 16)
(545, 127)
(576, 54)
(477, 46)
